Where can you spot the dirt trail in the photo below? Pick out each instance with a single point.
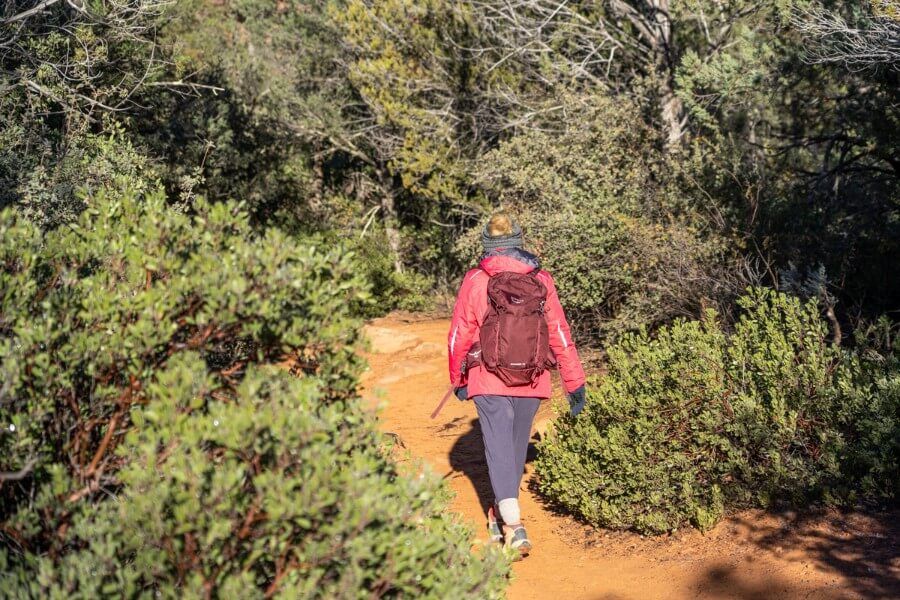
(754, 555)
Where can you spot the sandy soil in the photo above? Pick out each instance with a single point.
(752, 555)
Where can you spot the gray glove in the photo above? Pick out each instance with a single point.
(462, 392)
(577, 400)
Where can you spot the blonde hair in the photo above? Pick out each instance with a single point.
(499, 225)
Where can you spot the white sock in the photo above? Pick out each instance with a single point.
(509, 510)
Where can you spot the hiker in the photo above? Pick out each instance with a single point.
(508, 329)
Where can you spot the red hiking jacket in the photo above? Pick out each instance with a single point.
(470, 310)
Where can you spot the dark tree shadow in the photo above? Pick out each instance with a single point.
(467, 457)
(725, 582)
(861, 548)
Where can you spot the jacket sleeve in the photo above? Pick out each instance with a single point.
(570, 369)
(463, 327)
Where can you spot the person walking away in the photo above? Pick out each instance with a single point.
(508, 329)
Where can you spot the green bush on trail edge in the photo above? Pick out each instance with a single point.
(698, 421)
(164, 454)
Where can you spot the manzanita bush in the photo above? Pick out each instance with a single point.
(151, 447)
(698, 420)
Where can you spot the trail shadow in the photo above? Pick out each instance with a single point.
(467, 457)
(860, 550)
(727, 583)
(862, 547)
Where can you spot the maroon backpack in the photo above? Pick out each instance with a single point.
(514, 338)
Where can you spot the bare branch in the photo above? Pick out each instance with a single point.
(21, 473)
(31, 11)
(834, 40)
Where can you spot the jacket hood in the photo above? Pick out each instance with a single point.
(516, 260)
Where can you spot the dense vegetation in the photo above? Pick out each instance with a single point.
(194, 191)
(161, 450)
(698, 420)
(718, 143)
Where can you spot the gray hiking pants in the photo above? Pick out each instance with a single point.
(506, 428)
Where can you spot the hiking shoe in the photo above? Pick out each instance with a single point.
(517, 539)
(494, 527)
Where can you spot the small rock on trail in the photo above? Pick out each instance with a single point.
(389, 341)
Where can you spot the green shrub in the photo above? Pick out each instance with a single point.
(409, 290)
(45, 181)
(697, 421)
(162, 454)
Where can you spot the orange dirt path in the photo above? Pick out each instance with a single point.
(752, 555)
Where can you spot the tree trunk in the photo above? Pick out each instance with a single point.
(835, 325)
(317, 194)
(390, 221)
(389, 214)
(672, 110)
(670, 105)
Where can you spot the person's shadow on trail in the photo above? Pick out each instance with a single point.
(467, 458)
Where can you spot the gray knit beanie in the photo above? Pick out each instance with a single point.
(513, 240)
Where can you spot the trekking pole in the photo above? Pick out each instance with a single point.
(443, 401)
